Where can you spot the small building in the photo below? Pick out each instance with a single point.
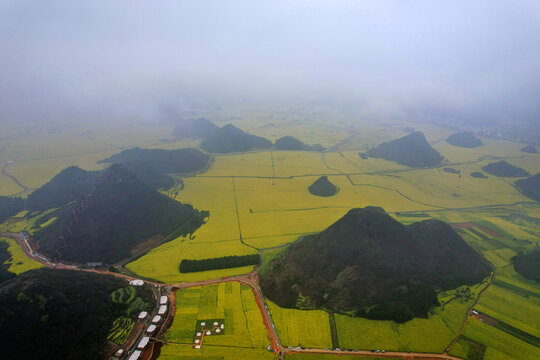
(136, 355)
(162, 309)
(151, 329)
(163, 300)
(144, 341)
(143, 314)
(156, 319)
(136, 282)
(197, 346)
(119, 353)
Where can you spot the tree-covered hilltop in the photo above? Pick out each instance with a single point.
(59, 314)
(530, 186)
(323, 187)
(118, 213)
(229, 139)
(412, 150)
(70, 184)
(464, 139)
(293, 144)
(185, 160)
(368, 264)
(194, 128)
(528, 264)
(531, 149)
(504, 169)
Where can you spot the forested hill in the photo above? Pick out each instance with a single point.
(412, 150)
(504, 169)
(368, 264)
(70, 184)
(185, 160)
(530, 186)
(229, 139)
(118, 213)
(292, 143)
(464, 139)
(194, 128)
(57, 314)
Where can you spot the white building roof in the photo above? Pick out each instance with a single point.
(136, 282)
(151, 329)
(156, 319)
(163, 300)
(136, 355)
(119, 352)
(144, 341)
(143, 314)
(162, 309)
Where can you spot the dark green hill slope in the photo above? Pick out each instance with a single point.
(70, 184)
(57, 314)
(118, 213)
(412, 150)
(10, 206)
(504, 169)
(293, 144)
(230, 139)
(185, 160)
(464, 139)
(194, 128)
(323, 187)
(368, 264)
(530, 186)
(528, 264)
(531, 149)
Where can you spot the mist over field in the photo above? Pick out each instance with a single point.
(473, 61)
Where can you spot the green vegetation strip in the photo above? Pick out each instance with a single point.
(522, 335)
(120, 331)
(515, 289)
(187, 266)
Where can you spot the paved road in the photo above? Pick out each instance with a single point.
(251, 280)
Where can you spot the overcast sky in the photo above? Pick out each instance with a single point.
(121, 58)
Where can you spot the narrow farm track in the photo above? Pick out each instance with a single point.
(251, 280)
(15, 180)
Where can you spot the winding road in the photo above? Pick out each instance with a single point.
(251, 280)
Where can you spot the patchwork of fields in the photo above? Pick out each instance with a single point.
(260, 200)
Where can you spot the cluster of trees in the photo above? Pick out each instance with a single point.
(187, 266)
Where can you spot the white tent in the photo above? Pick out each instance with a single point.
(162, 309)
(163, 300)
(156, 319)
(136, 282)
(143, 314)
(143, 342)
(136, 355)
(151, 329)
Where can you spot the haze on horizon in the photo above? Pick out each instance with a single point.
(479, 61)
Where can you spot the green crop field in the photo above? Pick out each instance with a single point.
(173, 352)
(499, 345)
(19, 262)
(232, 302)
